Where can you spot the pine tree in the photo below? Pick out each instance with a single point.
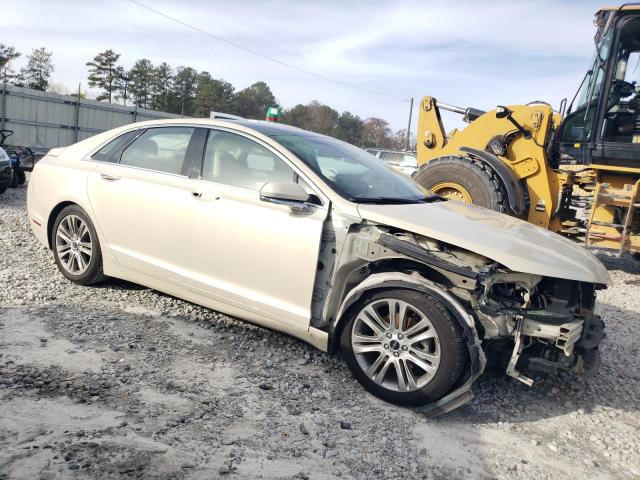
(104, 73)
(183, 91)
(37, 73)
(141, 77)
(7, 54)
(212, 95)
(252, 102)
(162, 86)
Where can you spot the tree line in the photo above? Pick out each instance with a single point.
(185, 91)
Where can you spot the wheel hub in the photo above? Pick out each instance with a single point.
(394, 344)
(452, 190)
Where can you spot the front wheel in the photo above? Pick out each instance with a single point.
(404, 347)
(76, 248)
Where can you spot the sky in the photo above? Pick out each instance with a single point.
(468, 53)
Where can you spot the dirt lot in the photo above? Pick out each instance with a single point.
(119, 381)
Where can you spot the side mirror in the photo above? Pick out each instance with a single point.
(283, 192)
(502, 112)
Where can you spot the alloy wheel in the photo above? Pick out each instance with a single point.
(74, 244)
(395, 345)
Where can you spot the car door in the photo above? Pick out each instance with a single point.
(141, 197)
(256, 254)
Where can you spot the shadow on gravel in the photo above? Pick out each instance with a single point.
(627, 263)
(118, 284)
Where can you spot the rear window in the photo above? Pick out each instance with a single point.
(161, 149)
(111, 151)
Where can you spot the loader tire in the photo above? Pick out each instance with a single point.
(466, 180)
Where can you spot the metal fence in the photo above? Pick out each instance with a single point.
(42, 120)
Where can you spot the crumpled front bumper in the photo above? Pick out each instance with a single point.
(580, 356)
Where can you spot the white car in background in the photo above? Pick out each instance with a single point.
(405, 162)
(311, 236)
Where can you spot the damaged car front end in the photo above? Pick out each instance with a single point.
(420, 294)
(520, 322)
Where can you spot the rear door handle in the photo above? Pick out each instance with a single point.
(206, 195)
(109, 178)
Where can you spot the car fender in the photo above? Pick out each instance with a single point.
(515, 191)
(461, 393)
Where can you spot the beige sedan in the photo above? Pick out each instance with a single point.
(311, 236)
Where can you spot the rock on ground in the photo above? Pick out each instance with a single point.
(119, 381)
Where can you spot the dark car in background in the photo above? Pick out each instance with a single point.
(405, 162)
(6, 172)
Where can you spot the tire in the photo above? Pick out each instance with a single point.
(68, 232)
(22, 177)
(447, 345)
(3, 189)
(479, 181)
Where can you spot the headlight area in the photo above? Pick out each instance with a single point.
(537, 323)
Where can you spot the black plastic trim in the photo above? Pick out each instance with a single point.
(192, 167)
(414, 251)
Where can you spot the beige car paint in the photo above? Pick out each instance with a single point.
(516, 244)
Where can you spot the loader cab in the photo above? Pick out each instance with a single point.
(603, 125)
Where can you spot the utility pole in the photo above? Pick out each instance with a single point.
(125, 79)
(406, 145)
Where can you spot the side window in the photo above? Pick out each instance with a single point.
(111, 151)
(162, 149)
(622, 108)
(394, 157)
(623, 103)
(409, 160)
(235, 160)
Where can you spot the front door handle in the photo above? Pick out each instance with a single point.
(109, 178)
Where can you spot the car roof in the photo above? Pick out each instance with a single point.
(261, 126)
(389, 150)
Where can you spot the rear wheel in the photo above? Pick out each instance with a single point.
(403, 346)
(466, 180)
(76, 248)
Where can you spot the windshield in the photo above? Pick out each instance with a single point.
(590, 88)
(578, 126)
(353, 173)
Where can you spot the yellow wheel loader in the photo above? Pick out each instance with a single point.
(576, 173)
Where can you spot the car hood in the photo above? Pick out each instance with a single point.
(516, 244)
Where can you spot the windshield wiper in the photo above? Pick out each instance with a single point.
(395, 200)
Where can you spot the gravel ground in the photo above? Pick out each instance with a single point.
(119, 381)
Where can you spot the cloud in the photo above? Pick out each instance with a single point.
(478, 53)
